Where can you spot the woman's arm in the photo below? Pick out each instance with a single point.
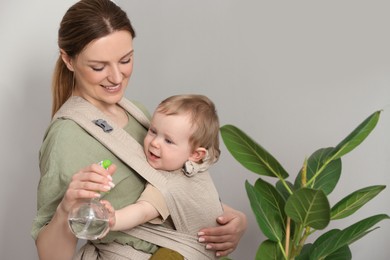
(55, 240)
(225, 238)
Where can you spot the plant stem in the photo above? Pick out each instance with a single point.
(286, 186)
(304, 173)
(306, 234)
(283, 182)
(282, 249)
(287, 246)
(297, 237)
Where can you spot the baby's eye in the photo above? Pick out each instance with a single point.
(168, 141)
(152, 131)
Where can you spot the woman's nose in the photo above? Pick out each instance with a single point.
(115, 75)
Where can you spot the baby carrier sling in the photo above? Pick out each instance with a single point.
(185, 203)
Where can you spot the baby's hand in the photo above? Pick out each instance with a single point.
(111, 214)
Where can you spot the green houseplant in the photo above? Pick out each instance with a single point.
(288, 213)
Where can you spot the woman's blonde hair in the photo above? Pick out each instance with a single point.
(203, 116)
(85, 21)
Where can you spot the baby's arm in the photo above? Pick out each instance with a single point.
(130, 216)
(134, 215)
(150, 207)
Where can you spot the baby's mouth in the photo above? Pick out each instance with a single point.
(154, 156)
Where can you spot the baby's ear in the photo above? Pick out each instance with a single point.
(198, 155)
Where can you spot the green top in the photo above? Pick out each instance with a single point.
(66, 149)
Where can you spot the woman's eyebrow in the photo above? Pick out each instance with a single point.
(101, 61)
(129, 53)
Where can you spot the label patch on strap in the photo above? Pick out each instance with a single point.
(103, 124)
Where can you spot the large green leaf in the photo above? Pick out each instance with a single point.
(345, 237)
(271, 200)
(267, 213)
(325, 236)
(269, 250)
(250, 154)
(357, 136)
(343, 253)
(330, 172)
(285, 195)
(354, 201)
(305, 252)
(309, 207)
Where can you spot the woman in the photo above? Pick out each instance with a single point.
(95, 63)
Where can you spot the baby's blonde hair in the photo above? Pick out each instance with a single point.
(203, 116)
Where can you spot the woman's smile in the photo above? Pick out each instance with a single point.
(112, 88)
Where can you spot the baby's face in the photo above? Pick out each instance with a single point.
(167, 144)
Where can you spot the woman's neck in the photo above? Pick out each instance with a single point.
(115, 112)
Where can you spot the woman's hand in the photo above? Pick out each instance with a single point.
(86, 184)
(225, 238)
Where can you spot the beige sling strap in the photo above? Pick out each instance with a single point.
(131, 152)
(135, 112)
(112, 251)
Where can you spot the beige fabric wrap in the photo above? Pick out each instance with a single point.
(186, 204)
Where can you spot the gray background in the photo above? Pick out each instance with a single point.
(295, 75)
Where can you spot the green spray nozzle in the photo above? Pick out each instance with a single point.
(105, 164)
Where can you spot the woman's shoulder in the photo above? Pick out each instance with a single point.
(65, 141)
(64, 133)
(63, 127)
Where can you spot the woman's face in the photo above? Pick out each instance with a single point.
(102, 70)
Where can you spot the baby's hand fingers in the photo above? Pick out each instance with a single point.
(108, 206)
(111, 213)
